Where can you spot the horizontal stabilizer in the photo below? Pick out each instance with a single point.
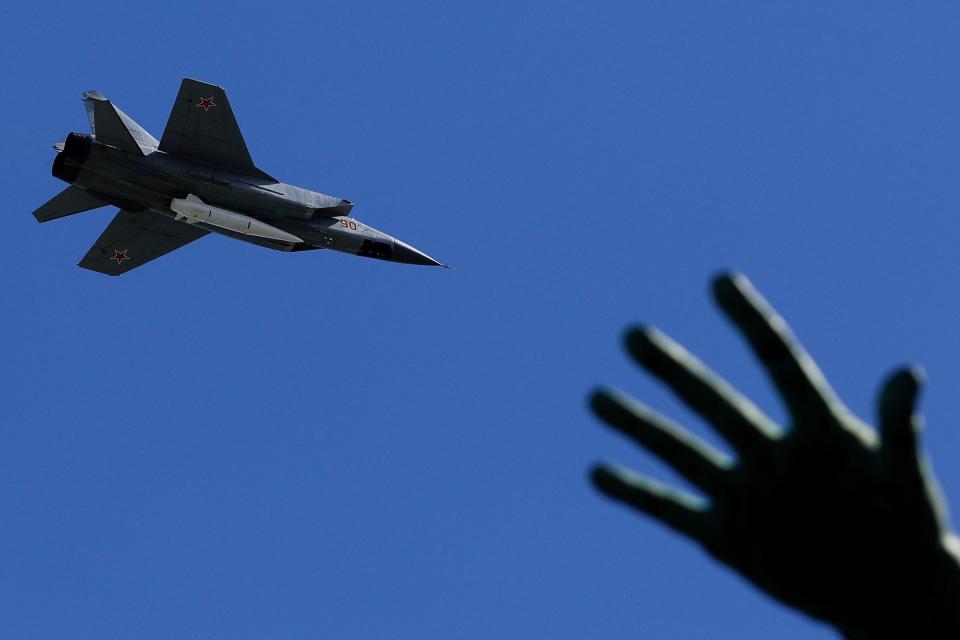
(69, 201)
(112, 126)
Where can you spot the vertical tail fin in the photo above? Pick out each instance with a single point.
(114, 127)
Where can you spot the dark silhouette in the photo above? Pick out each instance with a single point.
(827, 515)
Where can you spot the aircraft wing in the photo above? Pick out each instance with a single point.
(133, 239)
(202, 128)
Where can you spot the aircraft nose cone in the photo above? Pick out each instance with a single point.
(402, 252)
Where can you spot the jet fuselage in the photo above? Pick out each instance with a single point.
(154, 180)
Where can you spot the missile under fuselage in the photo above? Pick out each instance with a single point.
(193, 210)
(323, 232)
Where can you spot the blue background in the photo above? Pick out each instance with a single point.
(237, 443)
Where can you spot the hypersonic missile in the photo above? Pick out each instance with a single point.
(193, 210)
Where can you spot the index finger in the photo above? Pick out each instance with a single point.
(801, 384)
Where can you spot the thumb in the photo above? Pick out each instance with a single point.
(899, 422)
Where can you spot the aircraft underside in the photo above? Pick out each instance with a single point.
(199, 178)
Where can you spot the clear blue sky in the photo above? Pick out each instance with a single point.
(238, 443)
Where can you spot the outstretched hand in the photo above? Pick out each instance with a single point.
(827, 515)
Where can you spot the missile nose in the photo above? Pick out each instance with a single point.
(402, 252)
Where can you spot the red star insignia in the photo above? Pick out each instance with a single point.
(120, 256)
(207, 103)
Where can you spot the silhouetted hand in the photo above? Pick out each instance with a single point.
(825, 515)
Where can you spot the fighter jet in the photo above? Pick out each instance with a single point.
(198, 178)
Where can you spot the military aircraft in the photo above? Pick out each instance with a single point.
(197, 178)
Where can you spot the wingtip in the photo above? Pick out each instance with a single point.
(209, 84)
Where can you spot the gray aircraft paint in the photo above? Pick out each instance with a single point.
(198, 178)
(193, 210)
